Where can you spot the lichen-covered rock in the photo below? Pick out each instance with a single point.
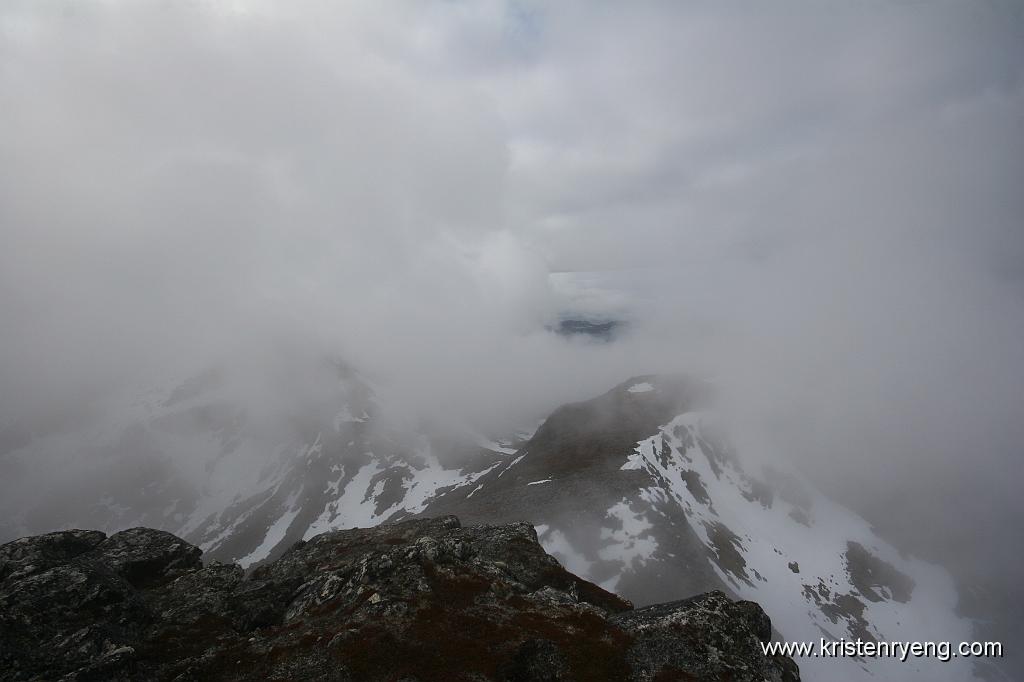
(145, 557)
(26, 556)
(420, 600)
(701, 637)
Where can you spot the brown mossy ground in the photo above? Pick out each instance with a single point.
(423, 600)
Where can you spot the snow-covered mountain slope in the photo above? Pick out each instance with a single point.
(244, 479)
(637, 491)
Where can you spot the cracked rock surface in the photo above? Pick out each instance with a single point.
(421, 600)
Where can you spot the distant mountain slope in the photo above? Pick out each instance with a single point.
(568, 476)
(637, 491)
(243, 483)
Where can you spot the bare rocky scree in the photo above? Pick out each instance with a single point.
(421, 600)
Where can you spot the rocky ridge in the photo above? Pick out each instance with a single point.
(425, 599)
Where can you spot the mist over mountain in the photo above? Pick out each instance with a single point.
(419, 229)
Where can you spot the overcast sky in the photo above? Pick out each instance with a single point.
(819, 204)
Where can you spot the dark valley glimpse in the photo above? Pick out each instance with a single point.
(436, 340)
(603, 330)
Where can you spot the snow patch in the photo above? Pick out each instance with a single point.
(345, 416)
(772, 539)
(275, 534)
(632, 544)
(557, 545)
(356, 506)
(510, 465)
(496, 446)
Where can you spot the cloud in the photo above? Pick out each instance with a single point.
(817, 204)
(175, 176)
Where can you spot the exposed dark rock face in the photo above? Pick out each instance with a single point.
(581, 449)
(420, 600)
(687, 639)
(876, 579)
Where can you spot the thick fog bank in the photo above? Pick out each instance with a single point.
(817, 206)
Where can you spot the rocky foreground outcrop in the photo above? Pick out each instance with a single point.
(420, 600)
